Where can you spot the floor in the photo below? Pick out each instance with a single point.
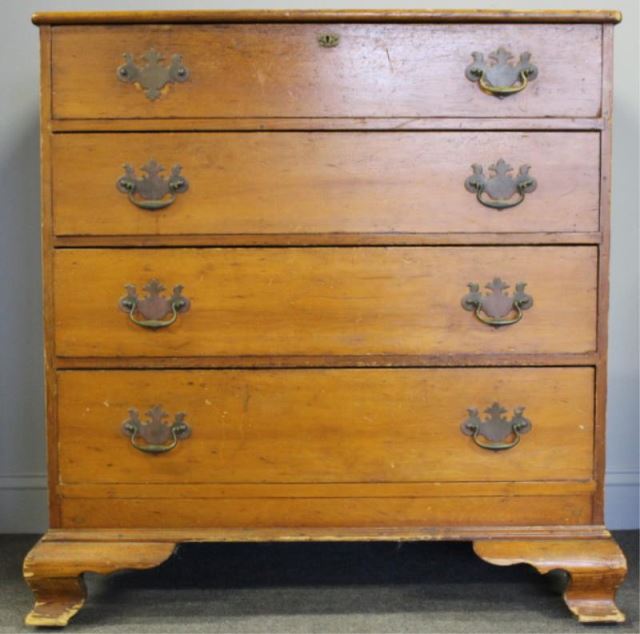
(340, 587)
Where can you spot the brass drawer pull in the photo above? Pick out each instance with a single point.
(328, 40)
(501, 78)
(158, 436)
(494, 307)
(495, 427)
(153, 307)
(152, 77)
(152, 191)
(498, 191)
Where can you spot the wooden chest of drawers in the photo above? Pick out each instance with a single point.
(326, 276)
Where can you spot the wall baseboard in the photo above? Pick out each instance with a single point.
(622, 499)
(23, 501)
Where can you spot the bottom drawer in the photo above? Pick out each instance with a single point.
(293, 515)
(324, 427)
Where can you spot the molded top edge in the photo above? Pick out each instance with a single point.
(419, 15)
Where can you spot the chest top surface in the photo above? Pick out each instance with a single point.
(346, 15)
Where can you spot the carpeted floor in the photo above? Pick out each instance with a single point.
(339, 587)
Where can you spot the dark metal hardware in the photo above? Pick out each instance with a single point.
(328, 40)
(158, 436)
(152, 191)
(496, 428)
(494, 307)
(154, 308)
(501, 78)
(152, 77)
(498, 191)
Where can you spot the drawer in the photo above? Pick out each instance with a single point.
(282, 70)
(324, 301)
(321, 517)
(325, 426)
(324, 182)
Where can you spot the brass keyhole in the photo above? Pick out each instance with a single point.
(328, 40)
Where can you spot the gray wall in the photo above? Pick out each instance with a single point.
(22, 448)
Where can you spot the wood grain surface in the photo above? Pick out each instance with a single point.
(301, 124)
(211, 492)
(325, 15)
(596, 568)
(324, 301)
(325, 183)
(369, 144)
(326, 426)
(279, 70)
(54, 572)
(334, 513)
(276, 534)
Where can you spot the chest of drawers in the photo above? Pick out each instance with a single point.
(325, 276)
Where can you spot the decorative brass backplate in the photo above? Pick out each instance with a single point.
(152, 191)
(500, 190)
(501, 78)
(157, 311)
(328, 40)
(494, 307)
(152, 77)
(496, 428)
(158, 436)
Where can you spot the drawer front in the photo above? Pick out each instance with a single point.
(331, 514)
(324, 301)
(325, 426)
(313, 183)
(284, 70)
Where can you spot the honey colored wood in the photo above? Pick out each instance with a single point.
(327, 239)
(597, 568)
(319, 123)
(603, 274)
(46, 224)
(424, 533)
(395, 84)
(354, 182)
(302, 513)
(323, 490)
(348, 15)
(54, 572)
(377, 70)
(325, 301)
(325, 426)
(274, 361)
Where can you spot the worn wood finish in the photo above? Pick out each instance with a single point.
(603, 273)
(347, 426)
(327, 239)
(322, 490)
(423, 533)
(54, 572)
(381, 70)
(296, 513)
(355, 182)
(302, 124)
(46, 224)
(597, 568)
(275, 361)
(360, 301)
(347, 15)
(331, 299)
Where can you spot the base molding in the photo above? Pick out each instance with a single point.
(55, 566)
(288, 534)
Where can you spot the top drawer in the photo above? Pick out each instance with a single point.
(323, 70)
